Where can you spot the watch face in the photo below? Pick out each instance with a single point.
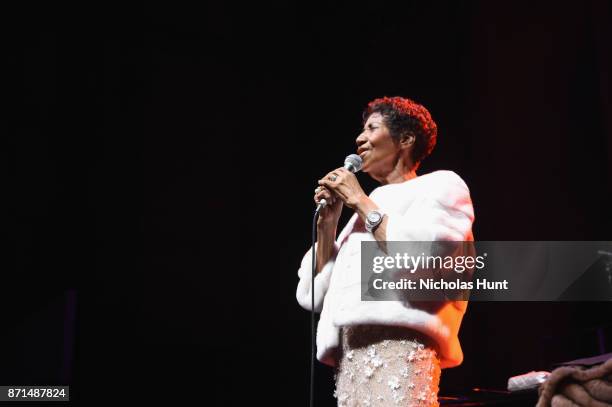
(374, 217)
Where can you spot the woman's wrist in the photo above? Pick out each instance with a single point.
(365, 205)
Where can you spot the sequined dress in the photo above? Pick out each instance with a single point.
(386, 366)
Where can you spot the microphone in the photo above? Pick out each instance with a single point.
(353, 163)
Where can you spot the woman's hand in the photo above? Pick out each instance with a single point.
(344, 185)
(329, 216)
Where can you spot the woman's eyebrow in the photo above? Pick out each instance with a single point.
(369, 125)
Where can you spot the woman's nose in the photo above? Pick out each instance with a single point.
(360, 139)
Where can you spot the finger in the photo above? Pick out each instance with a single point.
(323, 195)
(321, 191)
(332, 176)
(318, 199)
(318, 196)
(326, 183)
(326, 194)
(344, 173)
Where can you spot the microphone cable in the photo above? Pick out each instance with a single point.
(353, 163)
(313, 354)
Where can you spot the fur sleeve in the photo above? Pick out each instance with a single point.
(303, 293)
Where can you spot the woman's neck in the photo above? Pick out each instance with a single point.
(401, 172)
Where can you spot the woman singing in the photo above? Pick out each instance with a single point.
(386, 353)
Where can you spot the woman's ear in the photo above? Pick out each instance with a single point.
(407, 140)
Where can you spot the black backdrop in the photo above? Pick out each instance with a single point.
(163, 159)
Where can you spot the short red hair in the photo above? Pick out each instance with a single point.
(403, 115)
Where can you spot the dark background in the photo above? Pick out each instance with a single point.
(163, 157)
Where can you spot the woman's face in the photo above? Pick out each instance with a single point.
(378, 150)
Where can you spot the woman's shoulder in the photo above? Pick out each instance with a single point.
(433, 183)
(448, 188)
(441, 183)
(435, 179)
(447, 176)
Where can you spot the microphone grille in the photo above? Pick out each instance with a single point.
(353, 163)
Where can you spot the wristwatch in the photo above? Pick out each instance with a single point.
(373, 219)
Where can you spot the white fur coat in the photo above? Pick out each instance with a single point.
(435, 206)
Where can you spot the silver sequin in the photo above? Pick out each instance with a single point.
(375, 371)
